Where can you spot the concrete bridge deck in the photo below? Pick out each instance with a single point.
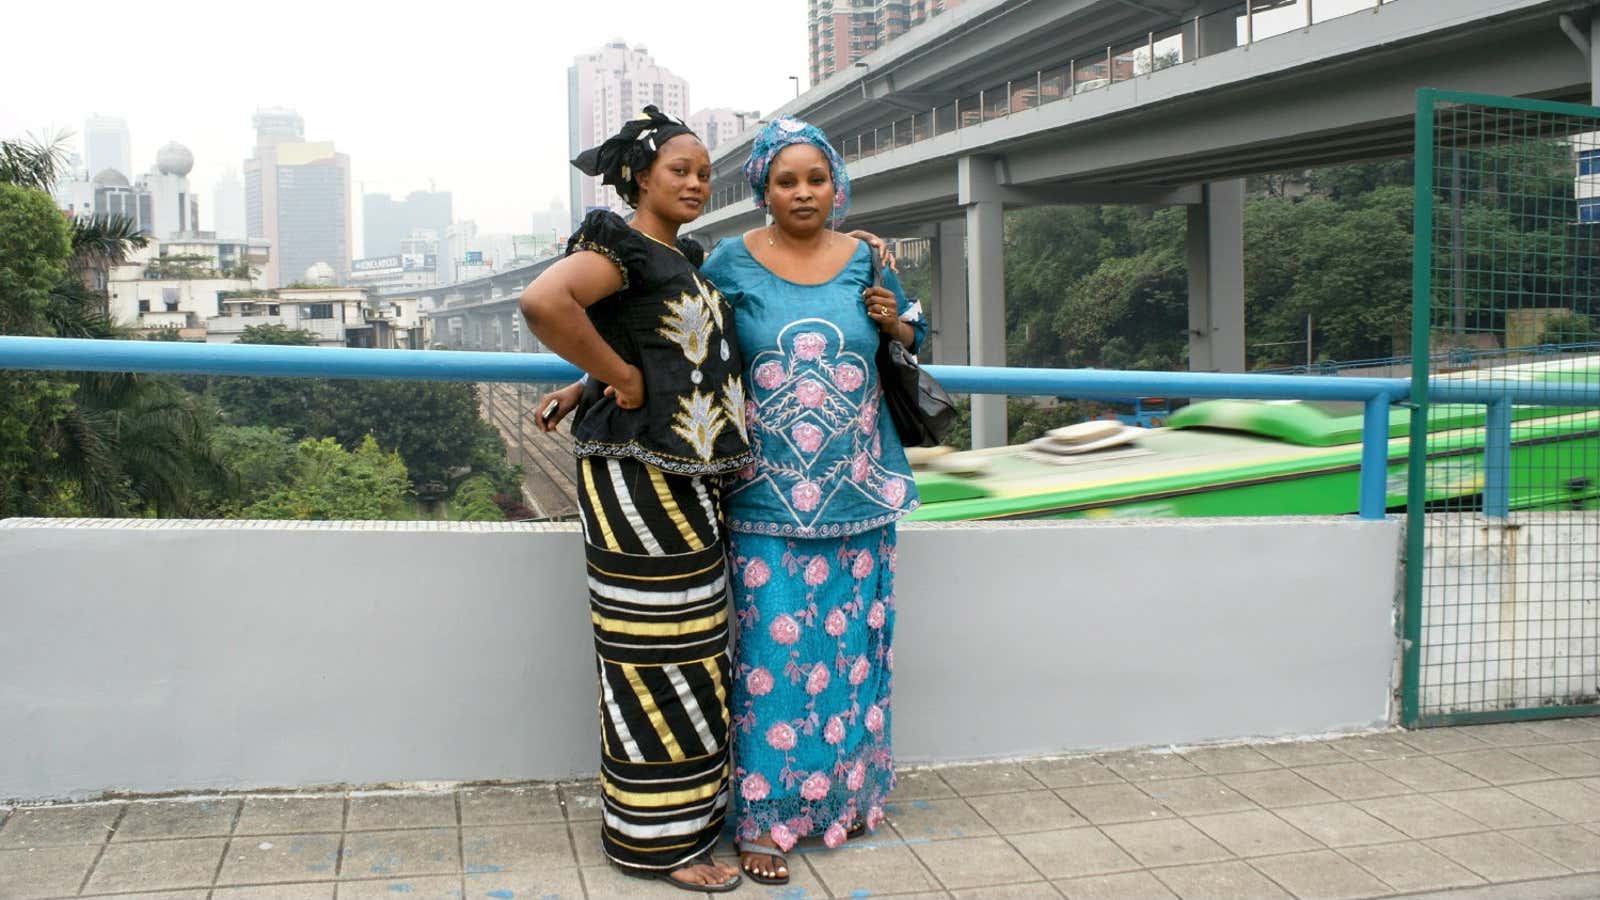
(1491, 812)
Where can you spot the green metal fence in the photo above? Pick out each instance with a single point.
(1502, 617)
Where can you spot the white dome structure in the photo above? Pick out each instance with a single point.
(319, 273)
(111, 178)
(174, 159)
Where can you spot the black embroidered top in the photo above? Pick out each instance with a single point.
(675, 327)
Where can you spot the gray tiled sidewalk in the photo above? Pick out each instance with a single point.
(1462, 809)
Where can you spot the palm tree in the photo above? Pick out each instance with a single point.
(99, 241)
(107, 444)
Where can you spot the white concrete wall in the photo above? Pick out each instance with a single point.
(1509, 611)
(153, 656)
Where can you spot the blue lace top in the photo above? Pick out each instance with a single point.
(828, 462)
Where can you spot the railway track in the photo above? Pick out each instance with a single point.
(549, 484)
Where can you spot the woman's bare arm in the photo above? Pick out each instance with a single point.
(554, 305)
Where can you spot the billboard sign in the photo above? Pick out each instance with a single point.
(474, 256)
(376, 265)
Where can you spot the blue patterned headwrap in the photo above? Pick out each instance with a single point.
(780, 133)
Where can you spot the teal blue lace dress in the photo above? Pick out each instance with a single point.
(812, 551)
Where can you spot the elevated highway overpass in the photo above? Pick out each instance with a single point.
(1155, 102)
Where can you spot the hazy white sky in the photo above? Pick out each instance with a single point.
(472, 96)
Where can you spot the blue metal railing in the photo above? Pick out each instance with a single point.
(1377, 394)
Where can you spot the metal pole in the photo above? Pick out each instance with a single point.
(981, 108)
(1038, 87)
(1417, 454)
(1374, 457)
(1150, 42)
(1111, 73)
(1072, 78)
(933, 123)
(1497, 459)
(1309, 18)
(1249, 22)
(1008, 98)
(1197, 51)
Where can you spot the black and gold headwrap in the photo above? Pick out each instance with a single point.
(630, 151)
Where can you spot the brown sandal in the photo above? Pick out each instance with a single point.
(703, 859)
(763, 850)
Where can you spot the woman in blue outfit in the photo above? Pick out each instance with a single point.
(811, 523)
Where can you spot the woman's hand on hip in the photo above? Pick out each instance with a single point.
(628, 391)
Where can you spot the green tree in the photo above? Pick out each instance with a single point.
(84, 444)
(331, 483)
(1567, 328)
(35, 246)
(273, 333)
(474, 501)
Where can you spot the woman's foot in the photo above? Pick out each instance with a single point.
(766, 868)
(705, 872)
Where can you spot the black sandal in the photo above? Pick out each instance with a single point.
(764, 850)
(856, 829)
(703, 859)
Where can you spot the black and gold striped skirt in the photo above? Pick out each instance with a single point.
(658, 597)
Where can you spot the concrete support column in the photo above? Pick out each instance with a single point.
(1216, 279)
(1594, 58)
(986, 289)
(1217, 32)
(947, 307)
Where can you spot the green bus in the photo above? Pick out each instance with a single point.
(1268, 458)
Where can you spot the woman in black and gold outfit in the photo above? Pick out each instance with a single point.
(661, 414)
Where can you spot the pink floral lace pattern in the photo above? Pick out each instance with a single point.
(812, 415)
(813, 664)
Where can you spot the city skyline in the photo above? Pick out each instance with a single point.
(473, 107)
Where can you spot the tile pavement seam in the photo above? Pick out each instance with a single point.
(1381, 880)
(227, 844)
(344, 824)
(572, 846)
(1270, 880)
(815, 875)
(95, 863)
(1570, 870)
(1023, 856)
(927, 869)
(461, 846)
(1306, 834)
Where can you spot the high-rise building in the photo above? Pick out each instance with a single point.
(106, 145)
(297, 196)
(604, 89)
(227, 206)
(174, 210)
(555, 221)
(843, 31)
(718, 124)
(386, 222)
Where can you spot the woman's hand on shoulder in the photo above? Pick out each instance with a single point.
(554, 406)
(885, 257)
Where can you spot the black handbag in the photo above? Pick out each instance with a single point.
(921, 410)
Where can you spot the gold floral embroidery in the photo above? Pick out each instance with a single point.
(688, 326)
(699, 421)
(733, 404)
(712, 297)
